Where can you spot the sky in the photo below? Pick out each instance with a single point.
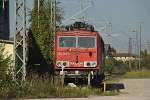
(124, 15)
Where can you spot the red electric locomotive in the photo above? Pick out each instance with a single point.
(79, 51)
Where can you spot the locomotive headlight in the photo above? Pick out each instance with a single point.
(90, 64)
(93, 64)
(58, 63)
(62, 63)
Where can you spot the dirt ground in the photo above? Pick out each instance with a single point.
(135, 89)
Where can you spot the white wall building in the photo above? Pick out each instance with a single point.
(124, 56)
(8, 48)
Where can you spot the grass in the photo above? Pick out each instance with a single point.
(137, 74)
(36, 87)
(110, 93)
(44, 88)
(80, 92)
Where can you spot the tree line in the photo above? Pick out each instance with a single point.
(120, 67)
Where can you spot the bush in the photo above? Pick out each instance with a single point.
(5, 62)
(134, 65)
(5, 76)
(145, 60)
(113, 66)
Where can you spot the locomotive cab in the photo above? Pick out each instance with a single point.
(79, 50)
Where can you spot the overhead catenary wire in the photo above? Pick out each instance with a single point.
(81, 11)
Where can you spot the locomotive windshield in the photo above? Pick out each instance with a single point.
(86, 42)
(67, 42)
(74, 42)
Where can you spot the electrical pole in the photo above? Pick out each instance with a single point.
(20, 46)
(137, 48)
(53, 16)
(130, 45)
(130, 52)
(52, 23)
(109, 28)
(137, 45)
(38, 13)
(140, 48)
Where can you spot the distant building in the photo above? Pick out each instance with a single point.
(124, 56)
(4, 19)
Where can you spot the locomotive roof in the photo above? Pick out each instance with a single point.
(78, 26)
